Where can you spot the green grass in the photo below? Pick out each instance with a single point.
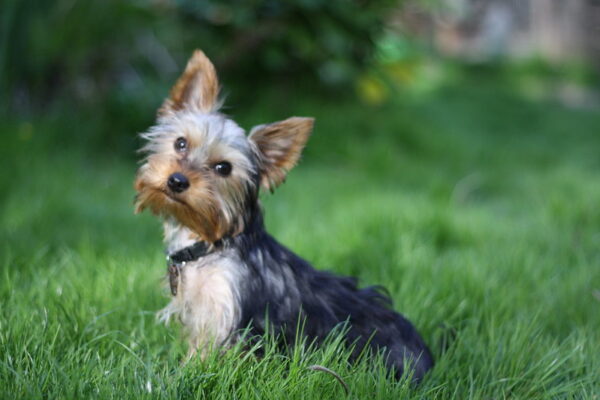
(477, 209)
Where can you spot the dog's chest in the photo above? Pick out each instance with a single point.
(208, 298)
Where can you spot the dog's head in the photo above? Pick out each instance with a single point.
(201, 168)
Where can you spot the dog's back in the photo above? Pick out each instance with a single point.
(285, 290)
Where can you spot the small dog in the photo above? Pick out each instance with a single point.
(202, 175)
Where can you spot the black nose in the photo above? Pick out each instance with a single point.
(177, 182)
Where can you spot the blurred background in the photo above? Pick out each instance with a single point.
(114, 60)
(414, 94)
(421, 93)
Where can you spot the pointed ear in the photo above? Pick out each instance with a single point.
(197, 88)
(279, 146)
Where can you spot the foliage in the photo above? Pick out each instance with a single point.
(87, 50)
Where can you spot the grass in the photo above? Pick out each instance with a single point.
(476, 208)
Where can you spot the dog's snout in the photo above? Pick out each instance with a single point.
(178, 182)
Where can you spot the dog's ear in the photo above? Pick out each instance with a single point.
(279, 146)
(197, 88)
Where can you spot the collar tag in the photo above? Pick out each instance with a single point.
(176, 261)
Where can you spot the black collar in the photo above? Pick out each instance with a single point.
(191, 253)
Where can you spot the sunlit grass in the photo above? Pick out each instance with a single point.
(479, 212)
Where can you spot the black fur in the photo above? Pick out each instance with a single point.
(285, 289)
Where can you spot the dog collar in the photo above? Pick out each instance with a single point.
(175, 261)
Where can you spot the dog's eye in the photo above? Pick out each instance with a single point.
(222, 168)
(180, 145)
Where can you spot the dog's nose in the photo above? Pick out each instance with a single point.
(177, 182)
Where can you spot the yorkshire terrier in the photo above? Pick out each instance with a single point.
(227, 275)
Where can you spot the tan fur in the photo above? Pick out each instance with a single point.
(280, 145)
(198, 87)
(196, 208)
(206, 303)
(212, 206)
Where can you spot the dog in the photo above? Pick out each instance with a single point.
(202, 175)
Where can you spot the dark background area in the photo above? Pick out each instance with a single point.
(112, 62)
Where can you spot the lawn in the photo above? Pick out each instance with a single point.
(477, 208)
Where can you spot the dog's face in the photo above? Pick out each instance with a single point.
(201, 168)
